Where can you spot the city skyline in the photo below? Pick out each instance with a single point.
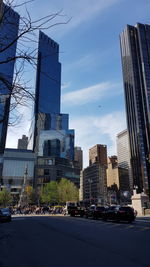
(92, 88)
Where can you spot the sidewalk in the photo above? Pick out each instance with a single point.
(35, 215)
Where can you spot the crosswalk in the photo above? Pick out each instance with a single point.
(113, 225)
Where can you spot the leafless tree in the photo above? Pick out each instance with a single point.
(20, 92)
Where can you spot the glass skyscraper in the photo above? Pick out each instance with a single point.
(8, 33)
(123, 153)
(49, 134)
(135, 51)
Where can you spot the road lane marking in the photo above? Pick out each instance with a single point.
(130, 226)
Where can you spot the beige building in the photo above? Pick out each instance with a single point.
(81, 186)
(123, 153)
(117, 181)
(112, 172)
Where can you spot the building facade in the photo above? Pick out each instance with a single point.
(135, 45)
(23, 142)
(94, 182)
(78, 156)
(8, 33)
(49, 133)
(123, 153)
(98, 154)
(93, 179)
(118, 186)
(112, 172)
(49, 169)
(15, 163)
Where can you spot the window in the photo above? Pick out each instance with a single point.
(46, 171)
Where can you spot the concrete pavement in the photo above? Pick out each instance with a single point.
(62, 241)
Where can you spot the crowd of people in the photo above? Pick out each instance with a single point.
(38, 210)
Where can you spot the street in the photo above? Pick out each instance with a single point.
(62, 241)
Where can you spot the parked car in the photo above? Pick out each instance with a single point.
(76, 211)
(95, 212)
(5, 215)
(119, 213)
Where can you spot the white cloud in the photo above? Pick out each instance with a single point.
(91, 130)
(85, 62)
(84, 10)
(91, 94)
(79, 11)
(16, 132)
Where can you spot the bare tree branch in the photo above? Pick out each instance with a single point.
(20, 91)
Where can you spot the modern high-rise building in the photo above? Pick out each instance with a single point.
(49, 133)
(98, 154)
(49, 136)
(123, 152)
(8, 33)
(78, 156)
(135, 52)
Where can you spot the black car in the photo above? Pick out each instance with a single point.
(119, 213)
(95, 212)
(5, 215)
(76, 211)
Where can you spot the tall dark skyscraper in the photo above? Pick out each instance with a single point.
(135, 51)
(48, 76)
(8, 33)
(49, 134)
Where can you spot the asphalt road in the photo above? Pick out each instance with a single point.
(73, 242)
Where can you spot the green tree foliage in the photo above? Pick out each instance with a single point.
(31, 194)
(67, 191)
(49, 194)
(61, 192)
(5, 198)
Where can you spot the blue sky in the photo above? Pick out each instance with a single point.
(92, 89)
